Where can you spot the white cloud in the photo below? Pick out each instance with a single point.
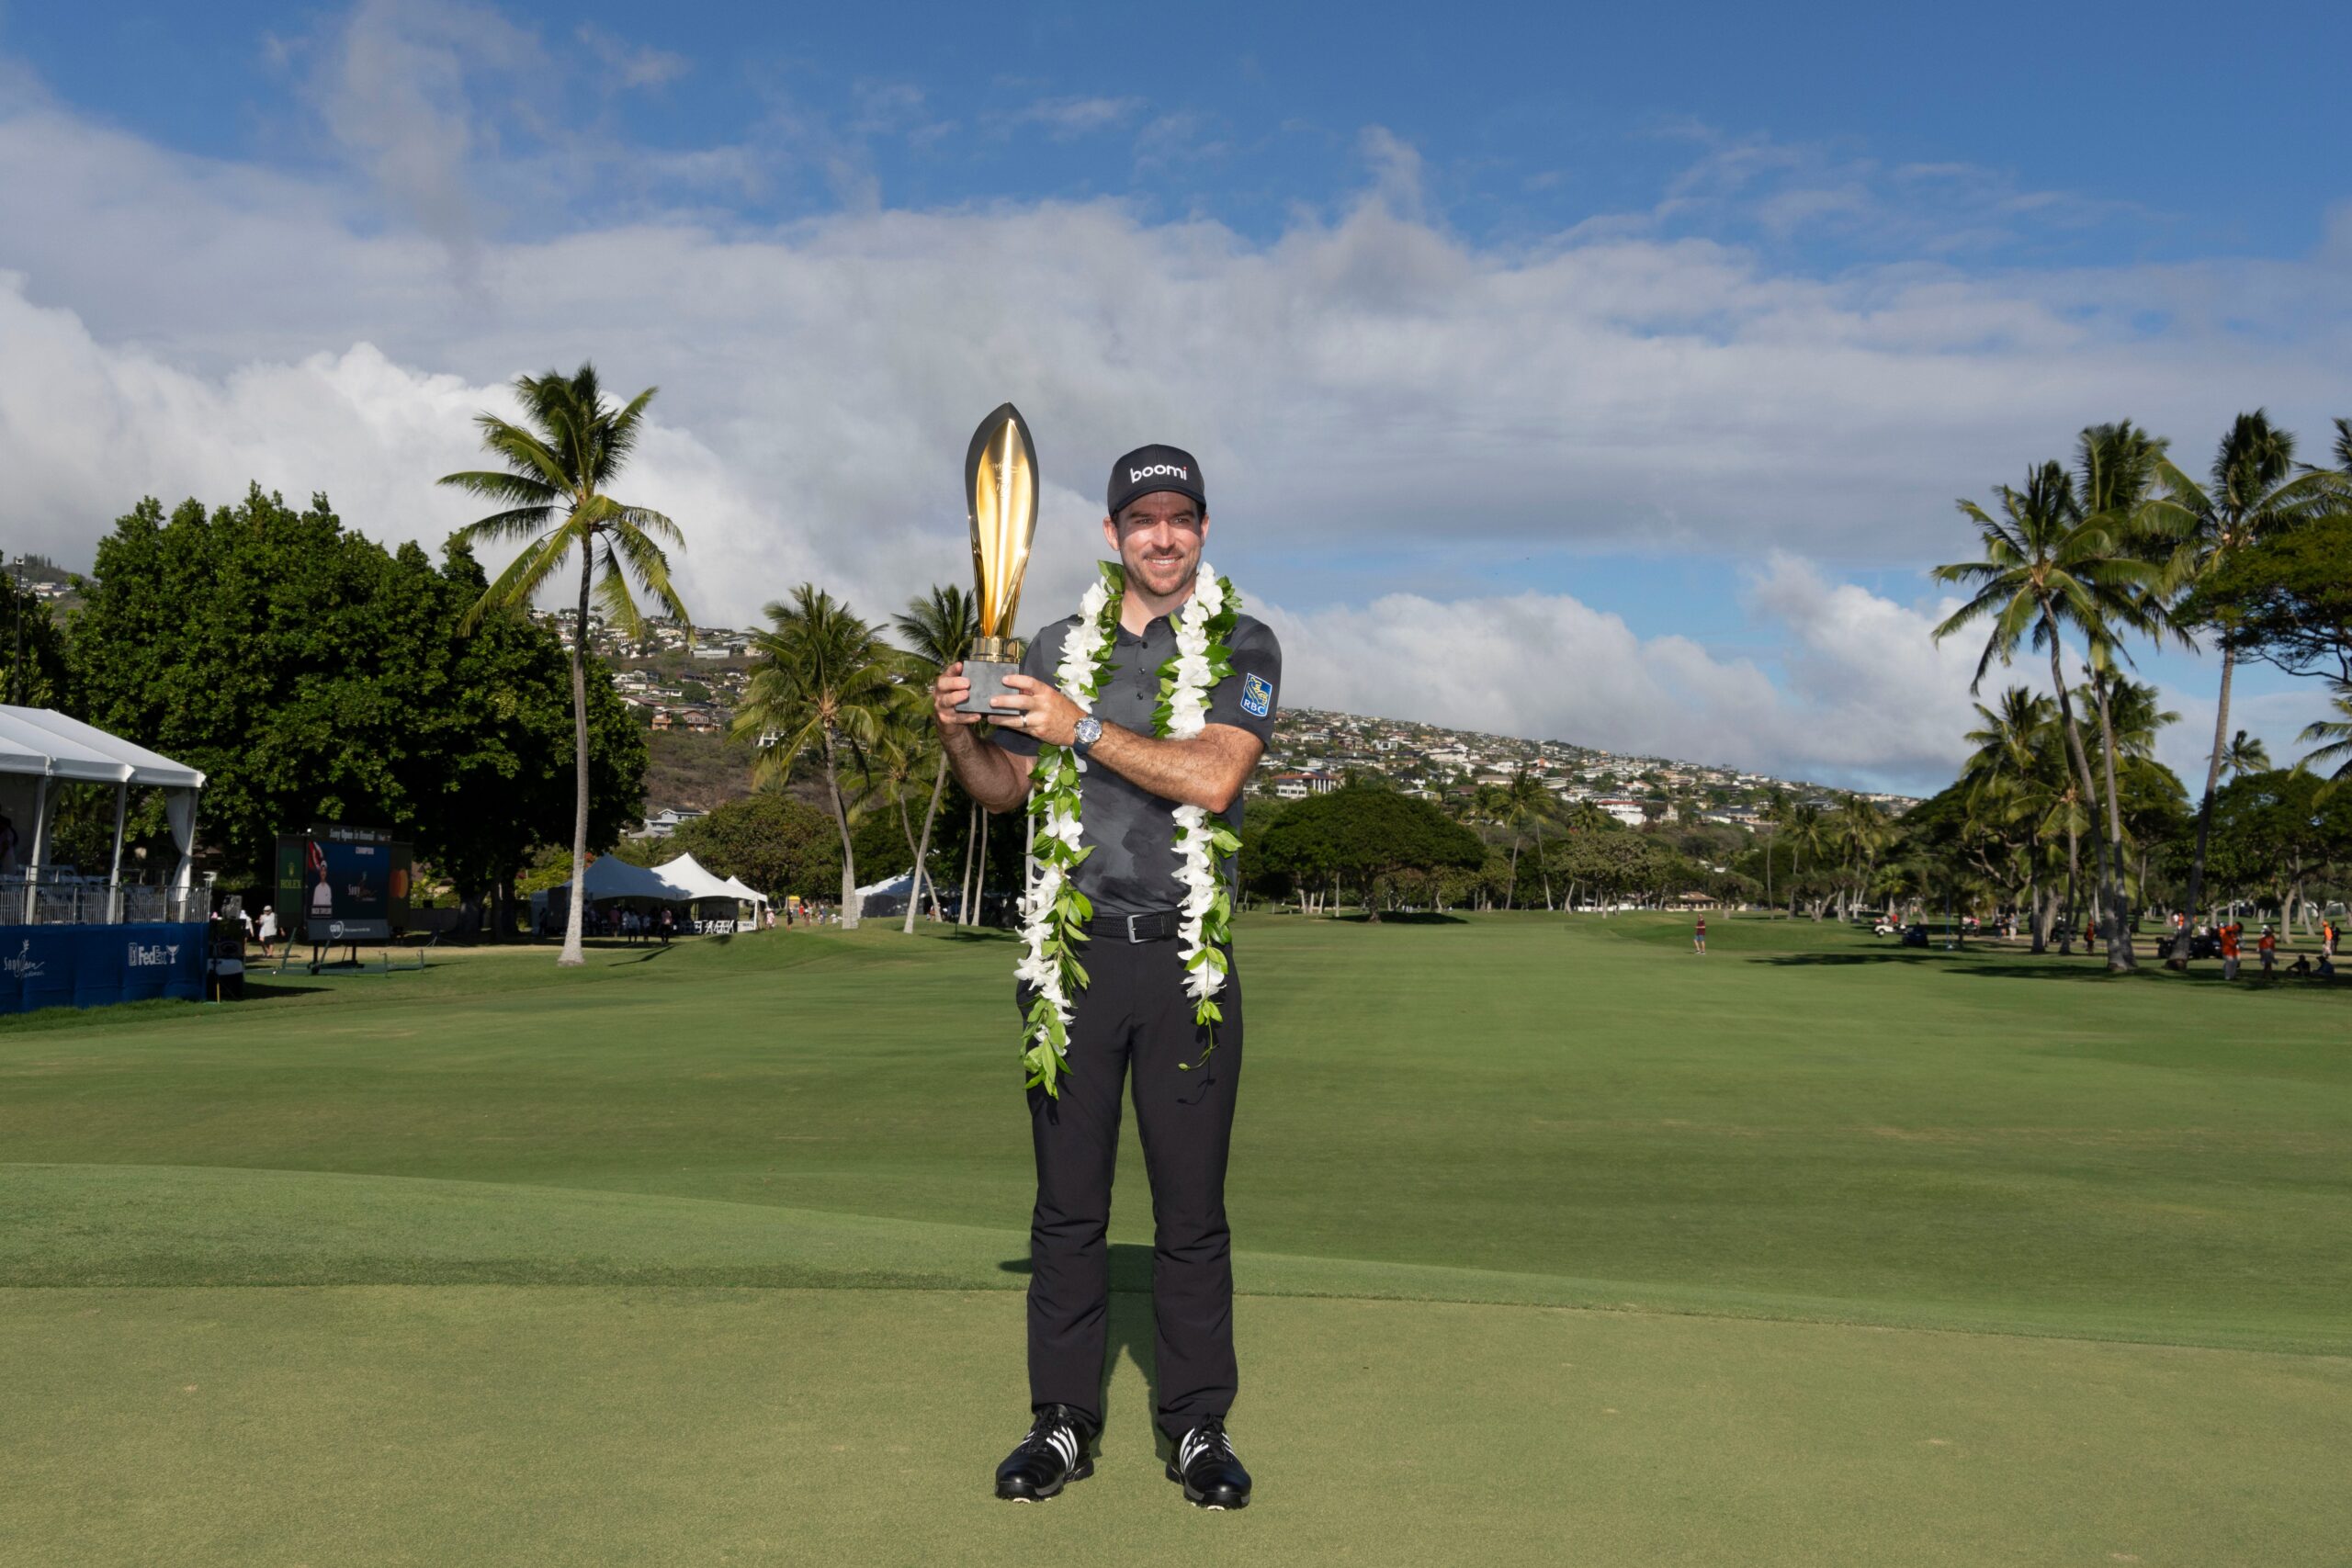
(631, 66)
(1368, 385)
(1067, 118)
(1865, 698)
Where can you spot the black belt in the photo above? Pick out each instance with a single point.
(1160, 925)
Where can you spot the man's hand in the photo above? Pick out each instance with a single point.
(1037, 708)
(949, 690)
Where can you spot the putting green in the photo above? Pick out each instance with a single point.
(1810, 1251)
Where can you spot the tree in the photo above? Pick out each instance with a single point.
(823, 681)
(1360, 837)
(314, 675)
(32, 650)
(2253, 493)
(1526, 801)
(2046, 565)
(491, 730)
(779, 845)
(939, 628)
(906, 747)
(553, 500)
(2337, 732)
(2016, 779)
(2246, 755)
(2284, 599)
(1808, 833)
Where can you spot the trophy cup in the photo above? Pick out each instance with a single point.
(1000, 485)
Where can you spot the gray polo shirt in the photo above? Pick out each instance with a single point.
(1131, 830)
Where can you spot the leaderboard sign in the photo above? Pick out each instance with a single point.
(340, 884)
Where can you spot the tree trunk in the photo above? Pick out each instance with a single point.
(841, 820)
(1542, 866)
(971, 855)
(923, 853)
(574, 954)
(981, 872)
(2074, 880)
(1511, 893)
(1768, 877)
(2074, 749)
(2205, 808)
(2118, 923)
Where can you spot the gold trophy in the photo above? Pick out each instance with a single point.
(1000, 486)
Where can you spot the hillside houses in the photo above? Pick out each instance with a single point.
(1311, 744)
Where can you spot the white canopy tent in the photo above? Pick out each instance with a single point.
(40, 748)
(609, 876)
(701, 881)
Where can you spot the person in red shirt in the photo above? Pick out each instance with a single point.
(2230, 933)
(1699, 938)
(2268, 950)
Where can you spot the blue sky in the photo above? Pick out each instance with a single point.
(1661, 336)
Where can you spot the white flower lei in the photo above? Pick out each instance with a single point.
(1053, 912)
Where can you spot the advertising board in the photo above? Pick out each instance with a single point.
(337, 883)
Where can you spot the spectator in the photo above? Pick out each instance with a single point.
(268, 930)
(2267, 947)
(2229, 934)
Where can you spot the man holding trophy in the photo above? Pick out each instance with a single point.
(1128, 733)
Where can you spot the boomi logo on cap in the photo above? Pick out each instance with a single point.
(1157, 470)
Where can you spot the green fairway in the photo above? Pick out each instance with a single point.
(1812, 1251)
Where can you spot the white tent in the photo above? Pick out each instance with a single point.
(610, 877)
(700, 882)
(734, 884)
(38, 747)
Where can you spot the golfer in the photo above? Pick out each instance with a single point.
(1133, 1013)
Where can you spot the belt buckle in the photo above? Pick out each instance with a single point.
(1133, 938)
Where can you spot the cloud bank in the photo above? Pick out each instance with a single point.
(1368, 388)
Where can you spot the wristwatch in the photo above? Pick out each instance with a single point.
(1090, 730)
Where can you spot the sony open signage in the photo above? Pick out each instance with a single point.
(340, 884)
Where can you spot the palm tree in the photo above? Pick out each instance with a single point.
(940, 628)
(2048, 565)
(2248, 755)
(907, 747)
(1776, 816)
(552, 493)
(2337, 732)
(2012, 756)
(2254, 491)
(1491, 803)
(2118, 467)
(1525, 800)
(824, 680)
(1807, 830)
(1860, 830)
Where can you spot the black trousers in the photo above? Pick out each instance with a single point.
(1135, 1014)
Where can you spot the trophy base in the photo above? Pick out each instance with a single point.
(987, 676)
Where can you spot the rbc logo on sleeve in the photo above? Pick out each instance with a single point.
(1257, 695)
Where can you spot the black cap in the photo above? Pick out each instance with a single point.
(1150, 469)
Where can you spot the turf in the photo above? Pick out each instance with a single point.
(1812, 1251)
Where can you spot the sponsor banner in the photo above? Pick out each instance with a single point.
(88, 966)
(339, 884)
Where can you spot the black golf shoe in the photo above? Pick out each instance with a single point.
(1051, 1457)
(1208, 1468)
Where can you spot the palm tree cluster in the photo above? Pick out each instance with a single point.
(830, 690)
(2083, 564)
